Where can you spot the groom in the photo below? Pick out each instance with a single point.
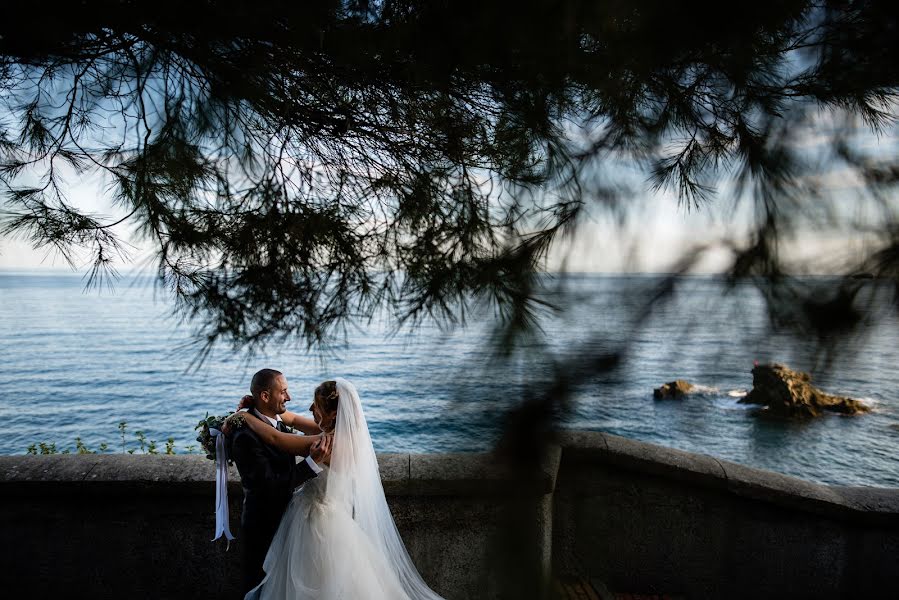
(268, 475)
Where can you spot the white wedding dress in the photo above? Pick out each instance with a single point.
(337, 539)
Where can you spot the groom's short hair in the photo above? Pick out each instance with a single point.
(263, 380)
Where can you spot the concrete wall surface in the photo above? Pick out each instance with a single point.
(119, 526)
(638, 517)
(652, 520)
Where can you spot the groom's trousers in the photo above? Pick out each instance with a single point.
(257, 537)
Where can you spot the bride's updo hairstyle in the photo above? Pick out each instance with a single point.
(326, 395)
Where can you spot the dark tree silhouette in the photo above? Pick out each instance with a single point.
(298, 166)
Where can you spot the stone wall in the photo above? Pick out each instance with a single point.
(638, 517)
(652, 520)
(116, 526)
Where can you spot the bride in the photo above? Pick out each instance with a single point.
(337, 539)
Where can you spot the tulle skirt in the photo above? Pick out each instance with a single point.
(320, 553)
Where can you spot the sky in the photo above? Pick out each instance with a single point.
(651, 238)
(656, 233)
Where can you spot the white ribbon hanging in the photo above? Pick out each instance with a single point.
(222, 524)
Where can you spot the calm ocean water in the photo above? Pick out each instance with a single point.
(76, 363)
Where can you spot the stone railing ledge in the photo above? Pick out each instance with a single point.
(640, 456)
(394, 470)
(474, 474)
(58, 468)
(871, 505)
(80, 473)
(478, 474)
(871, 499)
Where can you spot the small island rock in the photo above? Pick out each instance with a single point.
(673, 389)
(790, 393)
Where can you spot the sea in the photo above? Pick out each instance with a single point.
(76, 362)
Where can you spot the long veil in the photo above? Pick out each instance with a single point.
(355, 483)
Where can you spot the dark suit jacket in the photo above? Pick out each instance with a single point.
(268, 475)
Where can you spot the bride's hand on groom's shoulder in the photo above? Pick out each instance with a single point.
(232, 423)
(245, 402)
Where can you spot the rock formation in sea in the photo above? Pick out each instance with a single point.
(673, 389)
(790, 393)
